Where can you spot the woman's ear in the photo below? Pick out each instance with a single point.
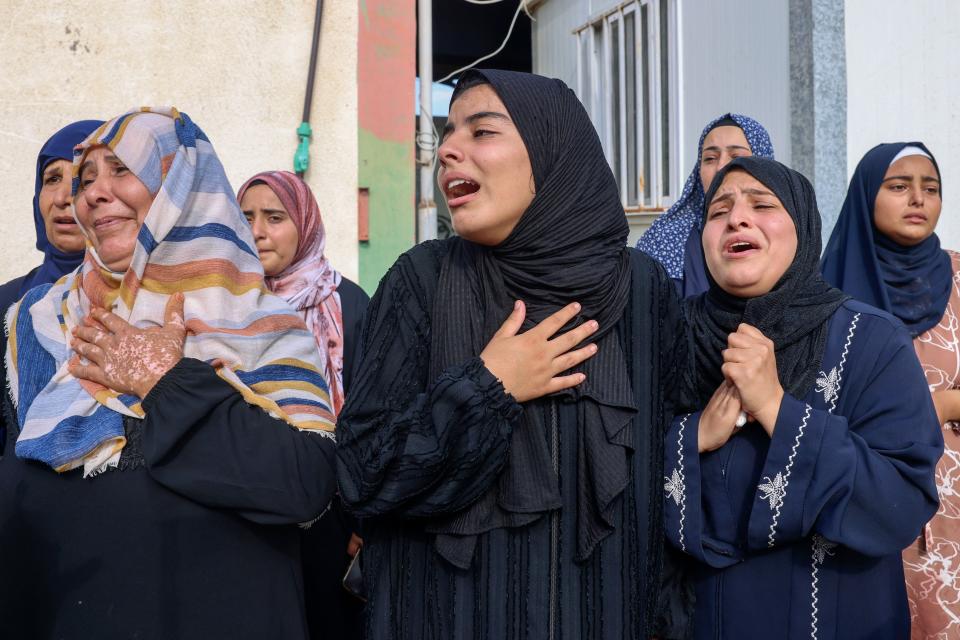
(533, 185)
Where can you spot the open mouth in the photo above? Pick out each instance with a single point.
(740, 246)
(459, 187)
(64, 220)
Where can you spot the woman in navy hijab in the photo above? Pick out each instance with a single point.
(58, 235)
(884, 251)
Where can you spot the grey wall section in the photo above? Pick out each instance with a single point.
(735, 57)
(819, 101)
(554, 45)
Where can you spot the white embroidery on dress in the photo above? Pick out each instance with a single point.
(773, 490)
(820, 549)
(680, 483)
(820, 546)
(829, 385)
(673, 485)
(776, 490)
(843, 361)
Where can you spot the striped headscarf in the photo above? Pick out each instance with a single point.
(666, 239)
(193, 240)
(309, 283)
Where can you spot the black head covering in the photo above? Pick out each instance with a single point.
(913, 283)
(568, 246)
(794, 314)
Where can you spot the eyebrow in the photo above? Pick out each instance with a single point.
(251, 210)
(480, 115)
(52, 169)
(909, 178)
(729, 195)
(729, 147)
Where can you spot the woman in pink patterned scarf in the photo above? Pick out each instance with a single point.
(290, 237)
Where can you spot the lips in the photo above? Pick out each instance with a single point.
(459, 189)
(64, 220)
(739, 246)
(915, 218)
(108, 223)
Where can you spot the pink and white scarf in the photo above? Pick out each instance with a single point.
(310, 283)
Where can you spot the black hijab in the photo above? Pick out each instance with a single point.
(569, 245)
(913, 283)
(794, 314)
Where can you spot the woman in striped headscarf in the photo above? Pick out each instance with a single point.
(195, 407)
(286, 224)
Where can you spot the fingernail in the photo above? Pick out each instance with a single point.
(576, 306)
(594, 324)
(594, 348)
(516, 304)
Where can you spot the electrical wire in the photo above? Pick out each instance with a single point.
(521, 6)
(428, 140)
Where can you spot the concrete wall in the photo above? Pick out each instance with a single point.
(238, 67)
(902, 71)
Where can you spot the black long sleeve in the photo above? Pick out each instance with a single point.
(408, 445)
(204, 441)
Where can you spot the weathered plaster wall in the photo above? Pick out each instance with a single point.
(386, 70)
(238, 67)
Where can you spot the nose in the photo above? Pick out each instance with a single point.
(722, 160)
(449, 151)
(258, 228)
(916, 195)
(62, 197)
(98, 191)
(740, 216)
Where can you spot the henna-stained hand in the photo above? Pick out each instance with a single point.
(126, 359)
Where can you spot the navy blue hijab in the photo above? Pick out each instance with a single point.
(912, 283)
(55, 262)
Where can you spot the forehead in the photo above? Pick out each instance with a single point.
(57, 164)
(96, 153)
(912, 165)
(739, 180)
(726, 136)
(476, 99)
(262, 195)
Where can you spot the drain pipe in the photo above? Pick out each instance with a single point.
(426, 142)
(301, 158)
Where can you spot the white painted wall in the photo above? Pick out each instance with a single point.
(902, 84)
(237, 67)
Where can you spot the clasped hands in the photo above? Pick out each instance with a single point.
(750, 384)
(124, 358)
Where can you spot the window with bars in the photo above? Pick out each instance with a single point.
(626, 75)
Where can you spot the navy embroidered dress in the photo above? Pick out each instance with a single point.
(799, 535)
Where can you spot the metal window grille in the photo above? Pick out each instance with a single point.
(627, 79)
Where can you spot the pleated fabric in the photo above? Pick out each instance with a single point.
(794, 314)
(569, 245)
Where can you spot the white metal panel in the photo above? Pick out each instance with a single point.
(735, 57)
(902, 85)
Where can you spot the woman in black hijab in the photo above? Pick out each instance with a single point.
(509, 470)
(797, 519)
